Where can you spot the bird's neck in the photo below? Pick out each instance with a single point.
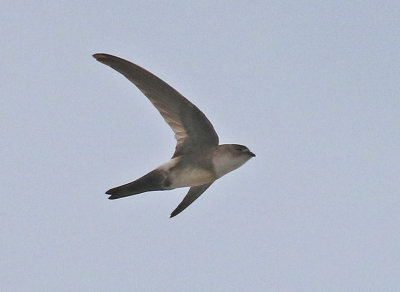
(224, 161)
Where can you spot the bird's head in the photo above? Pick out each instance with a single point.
(228, 157)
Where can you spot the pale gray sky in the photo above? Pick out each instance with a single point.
(311, 87)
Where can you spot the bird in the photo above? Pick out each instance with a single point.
(198, 159)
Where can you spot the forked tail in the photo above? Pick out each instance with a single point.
(153, 181)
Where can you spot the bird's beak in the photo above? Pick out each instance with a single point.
(252, 154)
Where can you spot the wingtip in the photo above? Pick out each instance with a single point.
(175, 212)
(99, 56)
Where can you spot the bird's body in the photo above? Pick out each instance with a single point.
(198, 159)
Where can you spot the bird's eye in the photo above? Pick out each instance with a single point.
(242, 148)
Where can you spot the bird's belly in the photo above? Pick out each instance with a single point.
(189, 177)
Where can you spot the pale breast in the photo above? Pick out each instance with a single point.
(186, 175)
(225, 162)
(189, 176)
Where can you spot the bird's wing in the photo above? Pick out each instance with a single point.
(193, 131)
(191, 196)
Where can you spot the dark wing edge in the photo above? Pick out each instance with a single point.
(193, 131)
(191, 196)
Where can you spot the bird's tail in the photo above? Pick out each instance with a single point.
(153, 181)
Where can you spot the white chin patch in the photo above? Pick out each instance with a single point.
(225, 164)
